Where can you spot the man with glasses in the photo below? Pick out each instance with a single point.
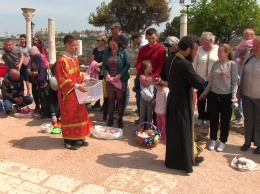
(116, 31)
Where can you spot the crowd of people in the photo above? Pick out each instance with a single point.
(165, 87)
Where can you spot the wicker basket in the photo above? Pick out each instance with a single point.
(150, 141)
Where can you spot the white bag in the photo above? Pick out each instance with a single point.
(99, 132)
(94, 93)
(237, 162)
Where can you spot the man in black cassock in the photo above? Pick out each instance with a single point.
(181, 77)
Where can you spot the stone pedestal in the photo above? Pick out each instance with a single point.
(184, 25)
(79, 50)
(51, 42)
(28, 13)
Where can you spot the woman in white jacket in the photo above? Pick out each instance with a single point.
(202, 63)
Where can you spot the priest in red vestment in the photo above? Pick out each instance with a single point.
(76, 124)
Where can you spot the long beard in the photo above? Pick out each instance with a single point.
(190, 58)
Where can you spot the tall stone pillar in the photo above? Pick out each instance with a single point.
(51, 42)
(184, 25)
(79, 50)
(28, 13)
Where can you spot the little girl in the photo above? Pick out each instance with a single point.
(245, 45)
(147, 94)
(160, 107)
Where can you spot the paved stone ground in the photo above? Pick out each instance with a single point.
(32, 162)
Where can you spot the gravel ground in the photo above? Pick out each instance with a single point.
(123, 164)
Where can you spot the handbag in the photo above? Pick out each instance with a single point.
(23, 111)
(52, 80)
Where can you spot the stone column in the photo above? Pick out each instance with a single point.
(28, 13)
(79, 50)
(51, 42)
(184, 25)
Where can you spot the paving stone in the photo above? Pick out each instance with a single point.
(91, 188)
(12, 168)
(32, 188)
(141, 181)
(117, 192)
(62, 183)
(17, 191)
(34, 175)
(7, 183)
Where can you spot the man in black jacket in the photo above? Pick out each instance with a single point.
(13, 91)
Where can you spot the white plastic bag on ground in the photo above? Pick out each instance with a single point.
(243, 164)
(104, 132)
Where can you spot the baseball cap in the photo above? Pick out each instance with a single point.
(171, 41)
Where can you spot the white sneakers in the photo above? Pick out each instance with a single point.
(202, 122)
(220, 147)
(212, 145)
(207, 123)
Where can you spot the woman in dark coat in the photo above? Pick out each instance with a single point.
(38, 76)
(181, 79)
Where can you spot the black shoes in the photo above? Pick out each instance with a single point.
(245, 147)
(75, 144)
(71, 145)
(257, 151)
(120, 123)
(198, 160)
(96, 106)
(8, 112)
(110, 123)
(81, 143)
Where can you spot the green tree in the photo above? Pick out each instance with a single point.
(226, 19)
(171, 29)
(133, 15)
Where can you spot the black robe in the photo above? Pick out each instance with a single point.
(181, 79)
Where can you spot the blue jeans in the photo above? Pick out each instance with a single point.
(8, 103)
(1, 106)
(127, 96)
(238, 112)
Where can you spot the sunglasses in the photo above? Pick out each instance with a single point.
(99, 40)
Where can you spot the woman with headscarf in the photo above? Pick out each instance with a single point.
(40, 87)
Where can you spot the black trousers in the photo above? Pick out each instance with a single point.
(35, 96)
(219, 106)
(44, 101)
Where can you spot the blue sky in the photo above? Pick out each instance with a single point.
(69, 15)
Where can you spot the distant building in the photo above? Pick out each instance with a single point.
(82, 34)
(45, 32)
(93, 33)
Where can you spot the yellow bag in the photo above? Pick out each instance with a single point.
(198, 147)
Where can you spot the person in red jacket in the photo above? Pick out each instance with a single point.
(155, 53)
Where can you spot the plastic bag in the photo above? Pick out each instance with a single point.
(243, 164)
(104, 132)
(46, 127)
